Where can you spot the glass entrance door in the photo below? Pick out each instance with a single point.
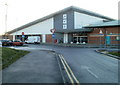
(80, 39)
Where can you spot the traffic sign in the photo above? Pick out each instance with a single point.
(53, 35)
(101, 32)
(22, 33)
(52, 30)
(23, 36)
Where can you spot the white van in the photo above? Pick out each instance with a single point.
(33, 39)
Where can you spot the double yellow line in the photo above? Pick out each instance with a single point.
(69, 71)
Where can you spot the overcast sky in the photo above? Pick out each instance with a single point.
(21, 12)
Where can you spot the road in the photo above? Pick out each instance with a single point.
(91, 67)
(87, 65)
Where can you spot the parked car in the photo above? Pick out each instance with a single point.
(17, 43)
(0, 44)
(6, 42)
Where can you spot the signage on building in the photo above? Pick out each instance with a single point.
(64, 21)
(101, 32)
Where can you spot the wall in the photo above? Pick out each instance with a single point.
(49, 38)
(58, 20)
(81, 19)
(59, 37)
(58, 24)
(6, 37)
(113, 32)
(39, 28)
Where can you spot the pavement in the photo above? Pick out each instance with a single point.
(35, 67)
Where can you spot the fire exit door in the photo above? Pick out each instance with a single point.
(108, 40)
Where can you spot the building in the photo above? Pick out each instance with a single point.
(69, 25)
(110, 33)
(6, 36)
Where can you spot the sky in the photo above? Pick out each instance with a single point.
(20, 12)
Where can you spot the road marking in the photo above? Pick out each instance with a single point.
(71, 71)
(72, 74)
(67, 71)
(92, 73)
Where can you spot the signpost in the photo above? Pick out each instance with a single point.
(101, 38)
(53, 35)
(52, 30)
(23, 33)
(23, 36)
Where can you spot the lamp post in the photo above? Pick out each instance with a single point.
(6, 20)
(101, 38)
(53, 36)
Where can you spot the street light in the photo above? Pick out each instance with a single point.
(6, 20)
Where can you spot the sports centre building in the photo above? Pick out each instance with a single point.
(72, 25)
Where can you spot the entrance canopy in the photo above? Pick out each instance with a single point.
(73, 30)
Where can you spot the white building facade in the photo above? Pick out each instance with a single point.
(69, 24)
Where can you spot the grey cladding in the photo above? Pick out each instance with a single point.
(58, 20)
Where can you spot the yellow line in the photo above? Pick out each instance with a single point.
(67, 71)
(71, 71)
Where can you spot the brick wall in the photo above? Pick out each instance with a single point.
(49, 38)
(94, 37)
(6, 37)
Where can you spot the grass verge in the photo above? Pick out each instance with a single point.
(115, 53)
(10, 55)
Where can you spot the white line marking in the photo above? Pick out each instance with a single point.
(92, 73)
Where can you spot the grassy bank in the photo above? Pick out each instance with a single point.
(10, 55)
(115, 53)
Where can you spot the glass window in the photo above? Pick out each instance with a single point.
(118, 38)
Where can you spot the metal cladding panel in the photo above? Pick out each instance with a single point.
(81, 20)
(115, 23)
(58, 20)
(39, 28)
